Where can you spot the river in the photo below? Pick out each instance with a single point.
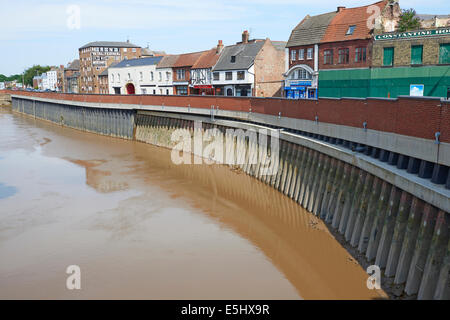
(140, 227)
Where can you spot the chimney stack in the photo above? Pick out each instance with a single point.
(219, 47)
(245, 36)
(339, 9)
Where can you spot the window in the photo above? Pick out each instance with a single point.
(310, 54)
(118, 77)
(300, 74)
(293, 55)
(350, 30)
(229, 92)
(167, 91)
(416, 54)
(233, 59)
(328, 57)
(388, 56)
(343, 56)
(124, 49)
(168, 76)
(141, 75)
(360, 54)
(241, 75)
(160, 76)
(228, 75)
(154, 91)
(129, 76)
(182, 91)
(444, 53)
(144, 91)
(216, 76)
(134, 50)
(301, 54)
(152, 76)
(180, 74)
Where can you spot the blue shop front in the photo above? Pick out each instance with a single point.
(300, 89)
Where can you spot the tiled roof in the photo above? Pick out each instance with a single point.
(187, 59)
(105, 72)
(310, 30)
(347, 17)
(151, 53)
(279, 45)
(74, 65)
(207, 60)
(168, 61)
(113, 44)
(245, 56)
(138, 62)
(432, 16)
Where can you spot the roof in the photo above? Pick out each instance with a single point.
(74, 65)
(74, 75)
(245, 56)
(114, 44)
(137, 62)
(187, 59)
(279, 45)
(432, 16)
(347, 17)
(207, 60)
(310, 30)
(168, 61)
(151, 53)
(105, 72)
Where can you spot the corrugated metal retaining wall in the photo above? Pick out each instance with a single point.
(112, 122)
(403, 235)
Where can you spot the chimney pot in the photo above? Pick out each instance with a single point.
(339, 9)
(219, 47)
(245, 36)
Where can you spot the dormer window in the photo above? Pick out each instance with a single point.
(233, 59)
(350, 30)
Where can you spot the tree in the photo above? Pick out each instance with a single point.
(34, 71)
(408, 20)
(17, 77)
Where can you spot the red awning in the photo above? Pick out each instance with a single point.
(203, 87)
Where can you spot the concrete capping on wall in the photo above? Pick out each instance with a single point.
(424, 149)
(423, 189)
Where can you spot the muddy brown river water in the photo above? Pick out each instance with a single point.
(140, 227)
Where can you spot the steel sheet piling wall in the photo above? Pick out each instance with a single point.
(116, 122)
(406, 237)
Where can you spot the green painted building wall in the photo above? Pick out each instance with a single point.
(384, 82)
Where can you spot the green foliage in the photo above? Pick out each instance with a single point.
(408, 20)
(17, 77)
(34, 71)
(27, 76)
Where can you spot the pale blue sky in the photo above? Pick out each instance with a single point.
(36, 31)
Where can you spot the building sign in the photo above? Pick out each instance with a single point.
(416, 90)
(297, 83)
(105, 53)
(413, 34)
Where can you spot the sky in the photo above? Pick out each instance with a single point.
(49, 32)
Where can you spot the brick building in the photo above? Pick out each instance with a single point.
(72, 77)
(250, 68)
(201, 71)
(303, 51)
(345, 54)
(95, 57)
(182, 72)
(411, 63)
